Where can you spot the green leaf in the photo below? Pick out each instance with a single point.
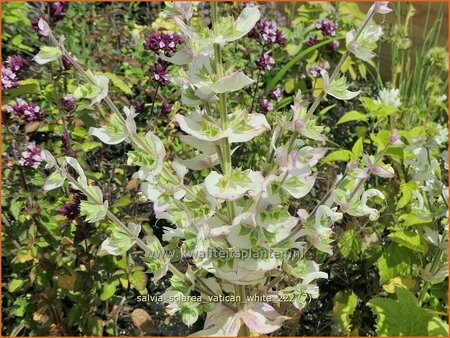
(47, 54)
(353, 115)
(402, 316)
(395, 261)
(280, 75)
(108, 289)
(339, 155)
(407, 192)
(117, 243)
(119, 83)
(413, 220)
(74, 315)
(15, 285)
(139, 280)
(410, 239)
(28, 86)
(358, 147)
(344, 304)
(89, 146)
(350, 244)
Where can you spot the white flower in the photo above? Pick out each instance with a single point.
(389, 97)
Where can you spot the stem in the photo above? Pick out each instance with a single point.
(426, 285)
(255, 91)
(154, 99)
(225, 147)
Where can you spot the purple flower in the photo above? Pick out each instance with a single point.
(311, 41)
(17, 63)
(31, 157)
(265, 105)
(164, 42)
(276, 94)
(28, 112)
(333, 45)
(265, 62)
(58, 9)
(69, 103)
(139, 107)
(9, 78)
(160, 74)
(281, 38)
(66, 63)
(166, 107)
(71, 210)
(327, 27)
(315, 70)
(268, 32)
(65, 138)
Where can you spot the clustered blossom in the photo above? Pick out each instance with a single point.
(266, 106)
(327, 27)
(17, 63)
(265, 62)
(139, 107)
(29, 112)
(69, 103)
(14, 65)
(162, 42)
(66, 63)
(389, 97)
(9, 78)
(65, 139)
(166, 107)
(71, 210)
(276, 94)
(315, 70)
(58, 10)
(333, 45)
(311, 41)
(160, 74)
(31, 157)
(268, 32)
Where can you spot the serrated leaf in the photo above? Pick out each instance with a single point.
(410, 239)
(401, 316)
(396, 261)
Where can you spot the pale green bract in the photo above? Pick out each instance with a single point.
(338, 88)
(47, 54)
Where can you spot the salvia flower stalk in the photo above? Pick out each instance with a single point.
(235, 225)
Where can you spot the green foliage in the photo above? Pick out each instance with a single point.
(404, 317)
(344, 305)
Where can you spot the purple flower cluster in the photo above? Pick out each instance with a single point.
(58, 10)
(333, 45)
(315, 70)
(160, 74)
(71, 210)
(276, 94)
(311, 41)
(14, 65)
(69, 103)
(66, 63)
(31, 157)
(9, 78)
(327, 27)
(166, 107)
(265, 62)
(162, 42)
(139, 107)
(265, 105)
(29, 112)
(17, 63)
(268, 32)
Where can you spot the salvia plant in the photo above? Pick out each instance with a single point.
(233, 229)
